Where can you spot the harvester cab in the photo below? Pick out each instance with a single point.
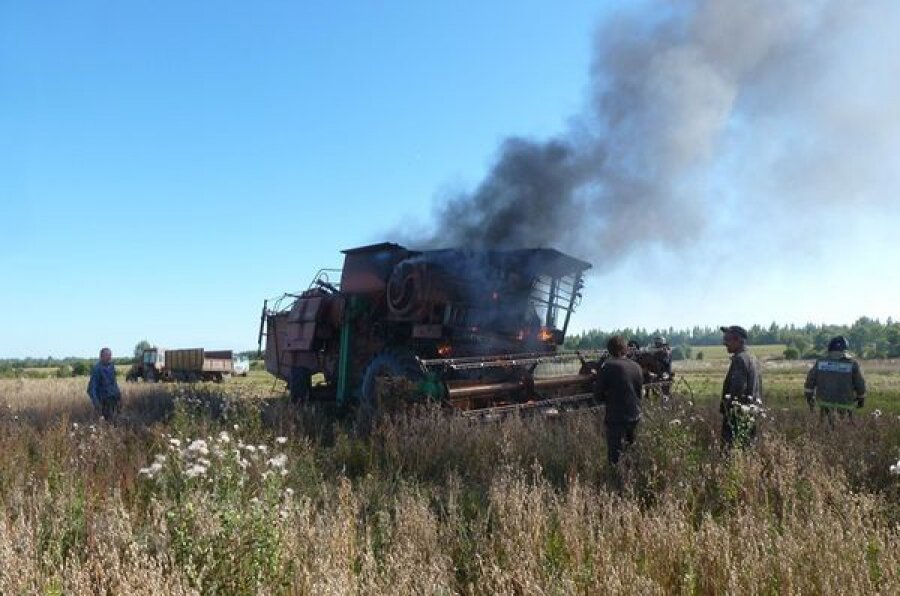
(466, 328)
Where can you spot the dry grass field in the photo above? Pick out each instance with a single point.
(226, 489)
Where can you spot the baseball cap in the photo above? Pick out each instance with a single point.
(736, 330)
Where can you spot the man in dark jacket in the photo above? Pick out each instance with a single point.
(741, 391)
(663, 354)
(836, 382)
(103, 388)
(619, 384)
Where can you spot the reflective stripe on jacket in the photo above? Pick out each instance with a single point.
(835, 381)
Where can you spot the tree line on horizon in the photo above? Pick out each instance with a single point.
(869, 338)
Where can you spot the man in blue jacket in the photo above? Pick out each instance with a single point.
(103, 388)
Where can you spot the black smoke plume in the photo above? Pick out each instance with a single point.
(705, 108)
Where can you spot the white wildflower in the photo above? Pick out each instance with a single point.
(236, 427)
(877, 413)
(196, 470)
(262, 448)
(289, 492)
(279, 461)
(255, 500)
(198, 447)
(224, 437)
(250, 448)
(152, 470)
(281, 440)
(203, 462)
(175, 442)
(160, 457)
(895, 469)
(675, 422)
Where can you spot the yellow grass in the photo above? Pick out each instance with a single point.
(431, 504)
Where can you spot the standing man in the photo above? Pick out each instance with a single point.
(663, 354)
(103, 388)
(836, 382)
(619, 384)
(741, 391)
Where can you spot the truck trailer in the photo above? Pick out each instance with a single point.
(185, 365)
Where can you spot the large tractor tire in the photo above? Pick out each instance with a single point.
(389, 385)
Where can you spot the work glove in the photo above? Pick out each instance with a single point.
(860, 401)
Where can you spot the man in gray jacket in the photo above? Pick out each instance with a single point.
(103, 389)
(836, 382)
(741, 391)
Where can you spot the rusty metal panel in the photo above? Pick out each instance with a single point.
(306, 309)
(301, 335)
(366, 269)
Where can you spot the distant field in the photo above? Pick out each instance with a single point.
(765, 352)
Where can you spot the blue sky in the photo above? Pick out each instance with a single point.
(164, 166)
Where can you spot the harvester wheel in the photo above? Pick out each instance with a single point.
(389, 384)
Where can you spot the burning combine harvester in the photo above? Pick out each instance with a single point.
(470, 329)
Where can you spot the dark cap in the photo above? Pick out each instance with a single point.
(838, 344)
(736, 330)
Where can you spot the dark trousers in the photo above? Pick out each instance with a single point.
(618, 436)
(109, 407)
(829, 414)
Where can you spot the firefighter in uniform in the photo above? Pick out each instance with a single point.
(836, 382)
(741, 391)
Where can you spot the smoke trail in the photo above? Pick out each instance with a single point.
(717, 102)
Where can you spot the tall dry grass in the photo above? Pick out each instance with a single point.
(431, 504)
